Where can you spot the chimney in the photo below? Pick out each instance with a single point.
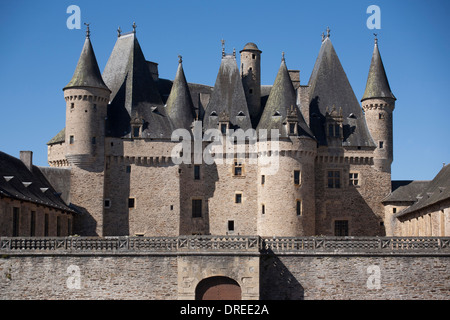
(27, 158)
(295, 78)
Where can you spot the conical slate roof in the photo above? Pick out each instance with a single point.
(135, 96)
(179, 106)
(377, 85)
(228, 98)
(87, 73)
(282, 104)
(328, 87)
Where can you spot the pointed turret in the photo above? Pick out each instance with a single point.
(328, 87)
(179, 106)
(377, 85)
(227, 108)
(281, 111)
(378, 104)
(87, 72)
(136, 109)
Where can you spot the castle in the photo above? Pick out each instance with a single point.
(237, 191)
(118, 165)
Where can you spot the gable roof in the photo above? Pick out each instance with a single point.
(228, 98)
(87, 73)
(18, 182)
(406, 191)
(328, 87)
(281, 104)
(377, 85)
(437, 190)
(135, 96)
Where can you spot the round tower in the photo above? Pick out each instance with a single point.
(251, 78)
(86, 98)
(378, 104)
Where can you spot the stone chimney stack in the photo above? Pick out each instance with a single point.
(27, 158)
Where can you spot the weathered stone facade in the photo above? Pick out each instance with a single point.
(330, 174)
(164, 268)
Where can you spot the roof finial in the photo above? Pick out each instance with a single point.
(234, 52)
(328, 32)
(134, 27)
(376, 39)
(323, 36)
(180, 59)
(119, 32)
(88, 32)
(223, 47)
(282, 56)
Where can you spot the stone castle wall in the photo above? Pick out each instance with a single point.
(167, 268)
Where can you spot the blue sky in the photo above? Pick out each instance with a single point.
(39, 53)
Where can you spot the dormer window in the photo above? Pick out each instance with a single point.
(136, 131)
(223, 128)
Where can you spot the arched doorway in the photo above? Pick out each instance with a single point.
(218, 288)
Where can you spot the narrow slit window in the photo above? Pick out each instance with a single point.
(230, 225)
(196, 172)
(196, 208)
(297, 177)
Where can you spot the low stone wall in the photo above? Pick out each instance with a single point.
(265, 268)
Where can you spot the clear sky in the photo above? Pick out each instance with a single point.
(39, 53)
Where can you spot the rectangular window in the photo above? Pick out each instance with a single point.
(128, 169)
(381, 144)
(33, 224)
(69, 226)
(58, 226)
(136, 132)
(237, 168)
(291, 128)
(296, 177)
(107, 203)
(334, 179)
(341, 228)
(46, 218)
(131, 202)
(16, 222)
(196, 208)
(354, 179)
(230, 225)
(394, 210)
(238, 198)
(263, 209)
(71, 139)
(196, 172)
(223, 128)
(299, 207)
(94, 140)
(72, 105)
(337, 131)
(263, 179)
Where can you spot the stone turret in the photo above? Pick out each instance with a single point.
(86, 98)
(286, 190)
(378, 103)
(251, 78)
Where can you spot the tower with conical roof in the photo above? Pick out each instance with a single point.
(378, 103)
(286, 197)
(86, 98)
(251, 79)
(179, 106)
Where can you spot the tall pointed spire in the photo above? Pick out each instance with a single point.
(87, 73)
(377, 85)
(281, 105)
(179, 106)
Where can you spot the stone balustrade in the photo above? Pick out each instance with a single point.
(227, 244)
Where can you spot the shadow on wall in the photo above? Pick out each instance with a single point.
(276, 281)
